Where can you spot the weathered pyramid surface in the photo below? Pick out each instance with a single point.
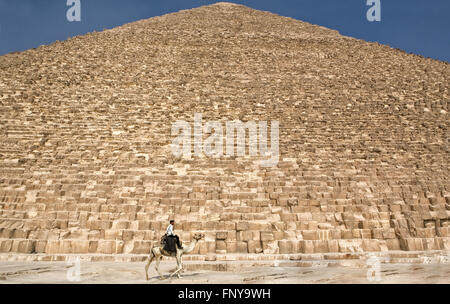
(85, 163)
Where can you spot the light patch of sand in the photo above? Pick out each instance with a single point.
(131, 273)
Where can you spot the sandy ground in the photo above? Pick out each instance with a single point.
(131, 273)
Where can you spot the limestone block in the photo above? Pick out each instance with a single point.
(335, 234)
(312, 225)
(347, 234)
(419, 245)
(221, 247)
(324, 235)
(260, 226)
(370, 245)
(352, 224)
(184, 235)
(139, 235)
(119, 247)
(210, 225)
(232, 235)
(6, 233)
(288, 247)
(230, 226)
(112, 234)
(127, 235)
(231, 247)
(333, 246)
(142, 247)
(106, 247)
(120, 224)
(256, 235)
(15, 245)
(222, 235)
(148, 235)
(65, 246)
(94, 235)
(61, 224)
(393, 244)
(98, 224)
(356, 233)
(127, 247)
(279, 235)
(430, 232)
(350, 246)
(52, 247)
(325, 226)
(40, 246)
(211, 247)
(255, 246)
(53, 235)
(134, 225)
(388, 233)
(267, 236)
(242, 226)
(430, 244)
(383, 245)
(241, 247)
(366, 233)
(310, 234)
(202, 248)
(320, 246)
(410, 244)
(306, 246)
(444, 231)
(5, 245)
(78, 234)
(288, 217)
(445, 243)
(93, 246)
(20, 233)
(80, 246)
(270, 247)
(210, 236)
(143, 225)
(154, 225)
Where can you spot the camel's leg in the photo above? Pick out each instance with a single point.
(179, 267)
(158, 259)
(152, 255)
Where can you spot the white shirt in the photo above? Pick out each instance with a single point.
(169, 230)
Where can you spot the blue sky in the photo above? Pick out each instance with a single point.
(416, 26)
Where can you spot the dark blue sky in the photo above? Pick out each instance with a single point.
(416, 26)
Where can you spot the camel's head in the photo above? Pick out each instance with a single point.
(198, 236)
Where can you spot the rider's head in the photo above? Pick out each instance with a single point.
(172, 222)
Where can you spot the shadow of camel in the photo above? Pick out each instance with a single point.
(166, 277)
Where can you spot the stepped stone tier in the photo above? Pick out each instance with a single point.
(86, 165)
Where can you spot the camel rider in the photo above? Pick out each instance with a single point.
(169, 233)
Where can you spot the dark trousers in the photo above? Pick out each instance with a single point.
(177, 238)
(178, 241)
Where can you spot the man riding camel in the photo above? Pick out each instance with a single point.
(170, 233)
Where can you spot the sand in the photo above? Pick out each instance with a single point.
(133, 273)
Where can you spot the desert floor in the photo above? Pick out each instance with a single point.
(133, 272)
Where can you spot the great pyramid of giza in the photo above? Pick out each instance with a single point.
(86, 165)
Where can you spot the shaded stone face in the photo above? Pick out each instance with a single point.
(86, 165)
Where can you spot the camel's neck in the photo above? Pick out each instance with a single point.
(190, 247)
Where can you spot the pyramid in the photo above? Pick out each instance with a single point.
(86, 165)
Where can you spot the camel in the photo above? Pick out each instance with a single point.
(156, 253)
